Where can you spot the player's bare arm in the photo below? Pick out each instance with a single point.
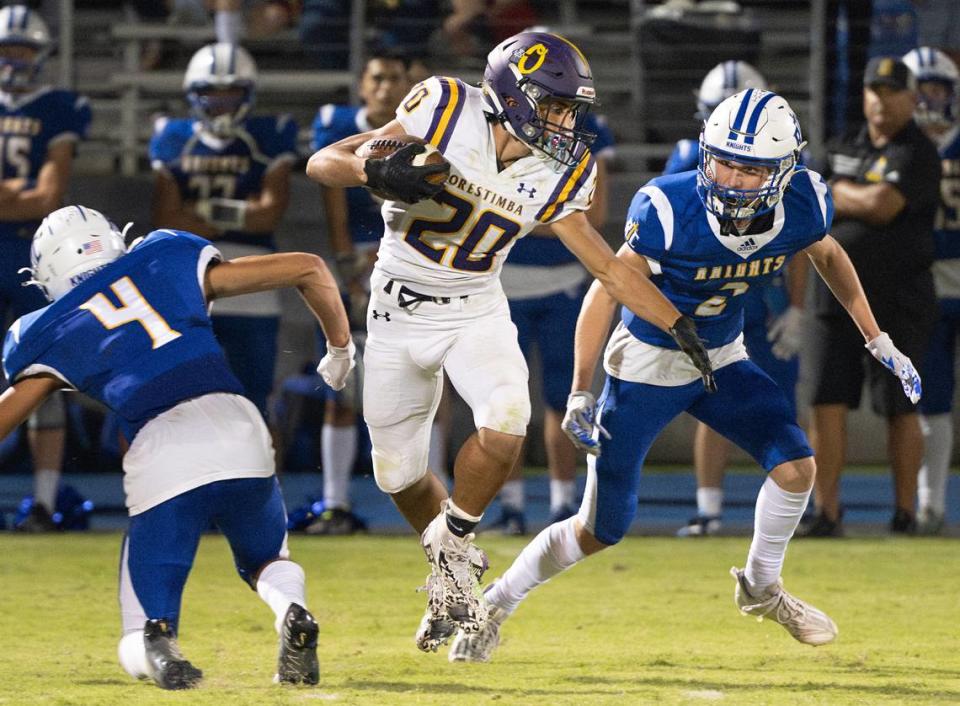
(338, 164)
(47, 194)
(877, 204)
(262, 213)
(307, 272)
(169, 210)
(834, 266)
(20, 400)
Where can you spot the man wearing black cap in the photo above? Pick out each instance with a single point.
(885, 183)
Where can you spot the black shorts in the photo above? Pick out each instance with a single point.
(844, 362)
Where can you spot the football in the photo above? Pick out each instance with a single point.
(383, 147)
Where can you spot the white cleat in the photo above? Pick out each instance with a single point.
(436, 628)
(459, 564)
(478, 646)
(807, 624)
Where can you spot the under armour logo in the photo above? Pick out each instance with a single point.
(529, 192)
(385, 315)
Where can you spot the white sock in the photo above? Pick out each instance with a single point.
(932, 482)
(437, 453)
(776, 517)
(552, 551)
(561, 493)
(462, 514)
(45, 484)
(512, 495)
(227, 25)
(709, 502)
(281, 584)
(338, 453)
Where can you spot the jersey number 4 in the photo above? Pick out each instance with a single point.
(135, 308)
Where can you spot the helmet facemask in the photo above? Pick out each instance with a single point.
(19, 65)
(736, 204)
(937, 104)
(564, 143)
(221, 108)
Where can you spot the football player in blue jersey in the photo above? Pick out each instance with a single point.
(225, 175)
(354, 226)
(704, 238)
(772, 315)
(131, 329)
(938, 114)
(39, 130)
(545, 283)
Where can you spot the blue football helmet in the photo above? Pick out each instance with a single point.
(22, 27)
(215, 67)
(527, 72)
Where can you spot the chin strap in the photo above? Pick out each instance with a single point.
(728, 227)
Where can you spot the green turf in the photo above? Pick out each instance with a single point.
(650, 622)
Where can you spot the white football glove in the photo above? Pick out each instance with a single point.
(336, 365)
(882, 349)
(580, 420)
(786, 333)
(223, 214)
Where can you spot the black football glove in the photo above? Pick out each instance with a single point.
(684, 332)
(396, 179)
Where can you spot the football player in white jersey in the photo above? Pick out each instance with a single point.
(518, 158)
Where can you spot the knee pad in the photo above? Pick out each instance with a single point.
(133, 655)
(395, 471)
(507, 410)
(49, 415)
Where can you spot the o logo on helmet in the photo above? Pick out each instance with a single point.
(538, 53)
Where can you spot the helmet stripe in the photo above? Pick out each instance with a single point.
(12, 16)
(738, 121)
(729, 74)
(82, 214)
(213, 60)
(24, 16)
(233, 59)
(755, 117)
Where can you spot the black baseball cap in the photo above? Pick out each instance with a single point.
(889, 71)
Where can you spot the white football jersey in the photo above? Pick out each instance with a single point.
(455, 243)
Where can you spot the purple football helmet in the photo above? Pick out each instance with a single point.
(524, 74)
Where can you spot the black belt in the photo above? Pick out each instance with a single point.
(407, 297)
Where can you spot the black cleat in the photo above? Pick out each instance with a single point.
(169, 669)
(37, 522)
(297, 662)
(903, 522)
(821, 526)
(336, 522)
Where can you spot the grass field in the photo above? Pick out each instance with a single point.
(651, 622)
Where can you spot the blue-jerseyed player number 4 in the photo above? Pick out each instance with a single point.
(134, 308)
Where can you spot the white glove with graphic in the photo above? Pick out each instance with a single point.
(336, 365)
(580, 420)
(882, 349)
(786, 333)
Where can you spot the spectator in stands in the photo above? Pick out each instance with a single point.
(39, 130)
(846, 58)
(773, 317)
(938, 83)
(355, 227)
(225, 176)
(938, 26)
(885, 180)
(475, 24)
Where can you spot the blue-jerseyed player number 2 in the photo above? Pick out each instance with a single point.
(135, 308)
(716, 304)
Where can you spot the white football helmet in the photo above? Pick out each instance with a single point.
(220, 66)
(931, 65)
(70, 245)
(724, 80)
(753, 127)
(21, 26)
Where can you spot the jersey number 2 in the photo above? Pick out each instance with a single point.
(716, 304)
(135, 308)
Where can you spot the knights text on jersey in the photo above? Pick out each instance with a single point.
(204, 166)
(135, 336)
(946, 228)
(705, 273)
(29, 126)
(455, 243)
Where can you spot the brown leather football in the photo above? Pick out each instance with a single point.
(382, 147)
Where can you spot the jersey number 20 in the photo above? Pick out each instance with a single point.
(135, 309)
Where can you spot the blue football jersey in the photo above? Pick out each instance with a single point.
(947, 226)
(548, 252)
(685, 156)
(704, 273)
(332, 124)
(206, 167)
(135, 336)
(29, 125)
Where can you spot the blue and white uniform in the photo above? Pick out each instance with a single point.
(705, 275)
(545, 283)
(761, 304)
(204, 167)
(939, 362)
(30, 124)
(136, 336)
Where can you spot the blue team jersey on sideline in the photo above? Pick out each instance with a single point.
(548, 251)
(119, 365)
(29, 125)
(332, 124)
(946, 232)
(231, 169)
(704, 274)
(685, 156)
